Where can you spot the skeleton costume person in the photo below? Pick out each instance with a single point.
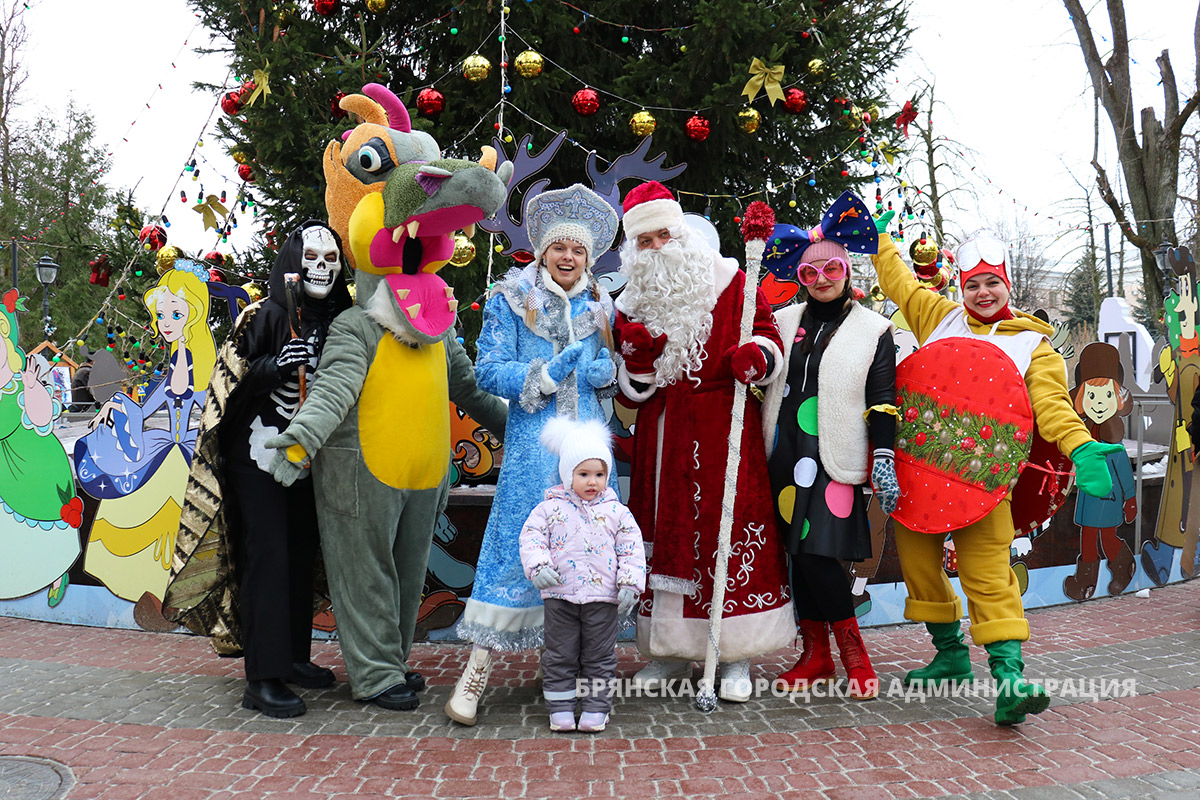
(263, 601)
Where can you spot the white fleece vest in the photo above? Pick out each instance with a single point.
(841, 390)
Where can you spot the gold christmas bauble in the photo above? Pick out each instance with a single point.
(378, 6)
(476, 68)
(254, 290)
(165, 260)
(873, 112)
(854, 119)
(877, 293)
(352, 288)
(642, 124)
(816, 68)
(923, 254)
(529, 64)
(749, 119)
(464, 251)
(240, 157)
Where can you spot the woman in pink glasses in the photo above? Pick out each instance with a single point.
(822, 454)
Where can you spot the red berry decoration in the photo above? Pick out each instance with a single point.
(795, 101)
(586, 102)
(1020, 436)
(72, 512)
(430, 102)
(985, 432)
(325, 8)
(246, 173)
(968, 443)
(995, 469)
(945, 413)
(919, 439)
(231, 103)
(697, 128)
(335, 105)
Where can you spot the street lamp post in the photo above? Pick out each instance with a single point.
(47, 273)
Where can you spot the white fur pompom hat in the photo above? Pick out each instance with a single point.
(575, 442)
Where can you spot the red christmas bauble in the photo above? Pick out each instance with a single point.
(697, 128)
(248, 87)
(215, 276)
(430, 102)
(246, 173)
(335, 105)
(153, 235)
(795, 101)
(325, 7)
(586, 102)
(231, 103)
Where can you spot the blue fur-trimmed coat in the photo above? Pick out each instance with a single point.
(505, 610)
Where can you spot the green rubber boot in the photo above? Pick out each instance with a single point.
(952, 664)
(1016, 697)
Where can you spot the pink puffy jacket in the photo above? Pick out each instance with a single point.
(595, 547)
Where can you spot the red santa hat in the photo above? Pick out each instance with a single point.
(982, 254)
(650, 207)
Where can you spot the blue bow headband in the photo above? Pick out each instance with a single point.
(848, 222)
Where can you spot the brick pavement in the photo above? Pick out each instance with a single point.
(140, 715)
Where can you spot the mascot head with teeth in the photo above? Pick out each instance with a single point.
(397, 204)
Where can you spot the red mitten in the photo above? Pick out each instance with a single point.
(638, 347)
(747, 362)
(1131, 509)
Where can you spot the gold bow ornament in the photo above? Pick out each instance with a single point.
(261, 84)
(211, 209)
(764, 77)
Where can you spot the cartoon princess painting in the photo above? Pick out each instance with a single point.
(137, 469)
(39, 512)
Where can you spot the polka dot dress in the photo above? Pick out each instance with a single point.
(818, 515)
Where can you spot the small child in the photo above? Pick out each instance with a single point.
(583, 550)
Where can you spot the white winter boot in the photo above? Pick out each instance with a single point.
(658, 674)
(736, 686)
(463, 705)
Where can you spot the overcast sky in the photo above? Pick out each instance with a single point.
(1010, 75)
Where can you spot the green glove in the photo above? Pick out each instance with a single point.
(881, 222)
(1091, 467)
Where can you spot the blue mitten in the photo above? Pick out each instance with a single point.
(602, 370)
(1091, 467)
(561, 365)
(884, 483)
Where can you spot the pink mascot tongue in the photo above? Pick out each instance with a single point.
(427, 301)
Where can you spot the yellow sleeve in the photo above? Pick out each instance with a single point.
(922, 309)
(1053, 411)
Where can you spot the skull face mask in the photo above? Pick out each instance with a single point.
(321, 262)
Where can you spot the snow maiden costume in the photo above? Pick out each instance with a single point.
(974, 451)
(546, 350)
(377, 424)
(678, 326)
(836, 397)
(256, 594)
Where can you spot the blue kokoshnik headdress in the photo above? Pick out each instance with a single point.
(576, 213)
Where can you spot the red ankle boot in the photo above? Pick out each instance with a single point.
(816, 662)
(864, 683)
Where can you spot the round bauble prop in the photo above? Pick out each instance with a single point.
(923, 252)
(586, 102)
(795, 101)
(165, 260)
(947, 464)
(378, 6)
(476, 68)
(816, 68)
(335, 107)
(853, 119)
(642, 124)
(325, 8)
(254, 291)
(749, 119)
(877, 293)
(696, 128)
(246, 173)
(464, 251)
(528, 63)
(430, 102)
(871, 114)
(231, 103)
(153, 236)
(242, 157)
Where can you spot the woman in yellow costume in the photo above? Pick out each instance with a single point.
(993, 594)
(139, 473)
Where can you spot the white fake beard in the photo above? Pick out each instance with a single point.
(670, 290)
